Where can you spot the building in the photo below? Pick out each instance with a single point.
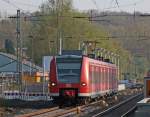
(2, 45)
(8, 72)
(8, 63)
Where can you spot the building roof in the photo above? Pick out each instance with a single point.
(8, 63)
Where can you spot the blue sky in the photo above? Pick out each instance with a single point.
(10, 6)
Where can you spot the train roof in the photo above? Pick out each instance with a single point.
(67, 56)
(94, 61)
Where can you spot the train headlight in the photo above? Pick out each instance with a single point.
(53, 84)
(83, 84)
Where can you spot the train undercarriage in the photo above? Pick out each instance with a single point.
(70, 97)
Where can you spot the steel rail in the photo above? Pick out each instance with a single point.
(116, 106)
(77, 110)
(130, 111)
(39, 112)
(64, 112)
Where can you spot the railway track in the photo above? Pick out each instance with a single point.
(122, 109)
(40, 112)
(80, 110)
(56, 111)
(2, 111)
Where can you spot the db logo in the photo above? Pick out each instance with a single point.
(68, 85)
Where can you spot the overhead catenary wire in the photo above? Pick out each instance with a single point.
(94, 2)
(33, 18)
(121, 5)
(117, 3)
(13, 4)
(104, 15)
(88, 17)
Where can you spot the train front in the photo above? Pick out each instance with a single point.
(65, 77)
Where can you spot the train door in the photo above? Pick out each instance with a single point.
(114, 74)
(97, 78)
(101, 83)
(90, 77)
(92, 80)
(110, 79)
(103, 78)
(113, 79)
(108, 85)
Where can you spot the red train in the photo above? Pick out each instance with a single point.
(81, 78)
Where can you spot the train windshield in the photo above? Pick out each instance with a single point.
(68, 69)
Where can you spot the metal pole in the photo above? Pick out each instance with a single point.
(79, 48)
(32, 52)
(112, 57)
(19, 51)
(30, 67)
(43, 75)
(135, 71)
(60, 44)
(101, 51)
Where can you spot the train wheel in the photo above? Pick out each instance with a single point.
(97, 99)
(85, 101)
(61, 103)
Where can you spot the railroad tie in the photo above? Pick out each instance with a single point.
(1, 114)
(78, 110)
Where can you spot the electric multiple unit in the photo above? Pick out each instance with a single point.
(81, 78)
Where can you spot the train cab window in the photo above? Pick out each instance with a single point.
(68, 69)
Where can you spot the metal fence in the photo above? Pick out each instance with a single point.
(10, 89)
(26, 96)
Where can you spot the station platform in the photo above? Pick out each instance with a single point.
(143, 108)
